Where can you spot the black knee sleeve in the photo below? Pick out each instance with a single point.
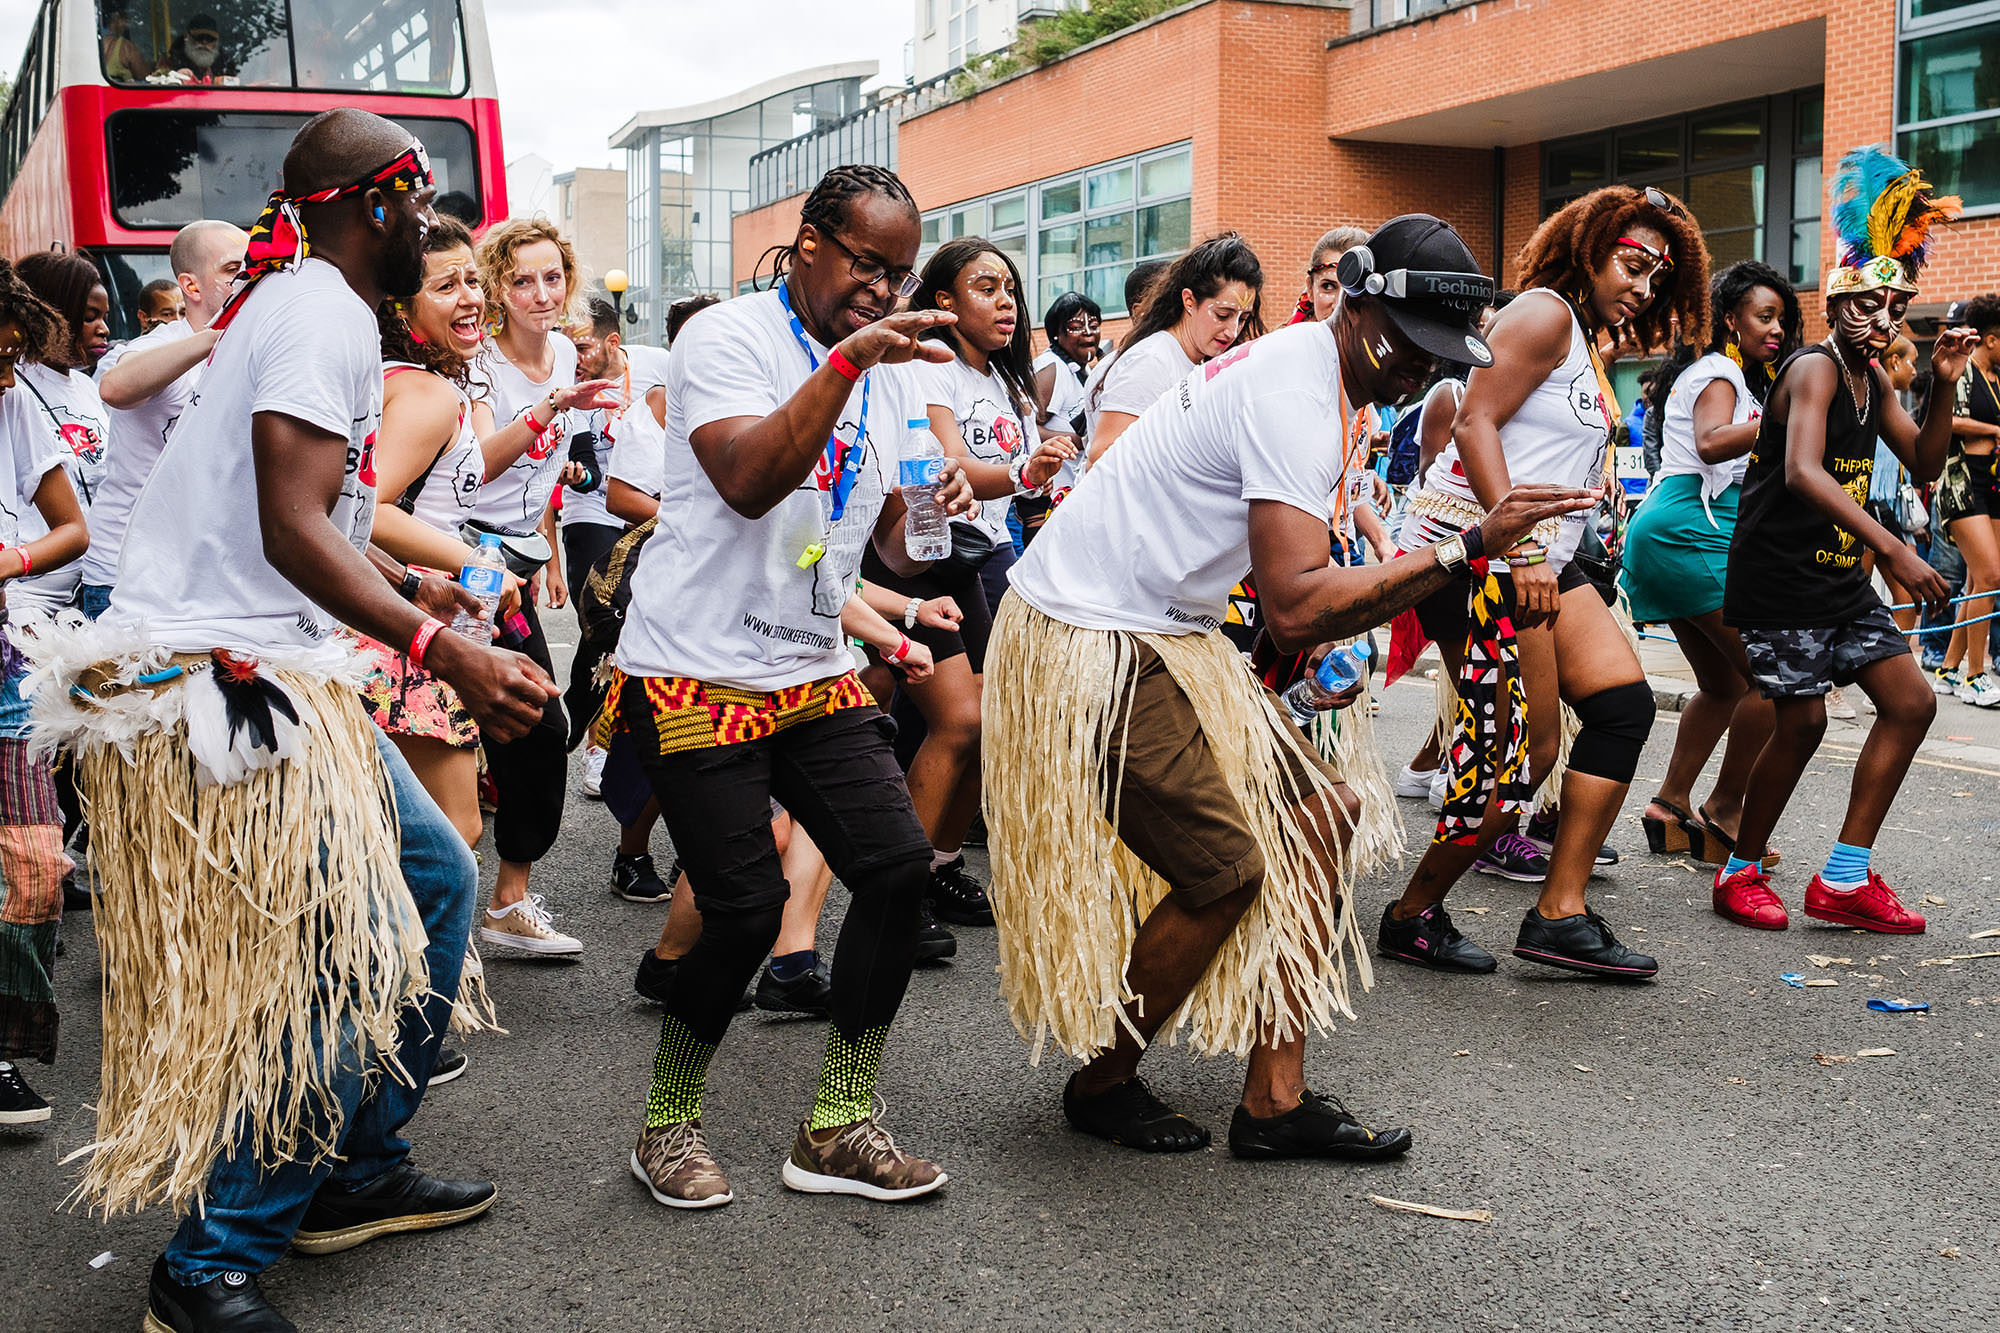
(1616, 723)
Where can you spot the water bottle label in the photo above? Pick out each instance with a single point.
(919, 471)
(481, 581)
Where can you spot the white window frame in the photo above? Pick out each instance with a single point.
(1909, 28)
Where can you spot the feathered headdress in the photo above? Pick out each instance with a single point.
(1883, 212)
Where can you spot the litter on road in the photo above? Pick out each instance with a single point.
(1882, 1006)
(1432, 1210)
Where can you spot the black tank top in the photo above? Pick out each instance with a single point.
(1790, 567)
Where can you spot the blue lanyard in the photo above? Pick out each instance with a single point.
(842, 464)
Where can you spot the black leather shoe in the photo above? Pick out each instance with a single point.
(1429, 939)
(959, 898)
(656, 976)
(1317, 1127)
(229, 1303)
(404, 1199)
(1581, 943)
(809, 993)
(1129, 1115)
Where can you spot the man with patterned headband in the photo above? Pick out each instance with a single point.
(282, 920)
(1796, 588)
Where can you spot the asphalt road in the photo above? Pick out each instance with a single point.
(1668, 1156)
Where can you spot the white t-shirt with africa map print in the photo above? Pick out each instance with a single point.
(515, 500)
(986, 417)
(73, 414)
(194, 572)
(719, 597)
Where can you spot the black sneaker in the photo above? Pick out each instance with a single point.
(18, 1103)
(810, 992)
(1542, 833)
(227, 1303)
(934, 942)
(76, 896)
(1429, 939)
(1581, 943)
(450, 1064)
(656, 977)
(634, 879)
(1514, 857)
(404, 1199)
(959, 898)
(1317, 1127)
(1128, 1114)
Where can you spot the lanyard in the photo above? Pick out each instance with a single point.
(1607, 402)
(842, 462)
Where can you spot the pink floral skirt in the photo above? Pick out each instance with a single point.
(407, 700)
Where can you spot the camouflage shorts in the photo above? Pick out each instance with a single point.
(1788, 663)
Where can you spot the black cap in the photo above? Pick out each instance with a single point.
(1439, 304)
(1955, 312)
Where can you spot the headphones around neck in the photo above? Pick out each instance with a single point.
(1358, 277)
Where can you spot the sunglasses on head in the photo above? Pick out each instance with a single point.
(1665, 202)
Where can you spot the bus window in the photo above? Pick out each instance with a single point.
(126, 273)
(384, 46)
(169, 168)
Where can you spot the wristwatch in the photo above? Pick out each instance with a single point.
(1017, 473)
(412, 581)
(910, 612)
(1451, 554)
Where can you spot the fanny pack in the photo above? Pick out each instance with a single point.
(971, 548)
(524, 552)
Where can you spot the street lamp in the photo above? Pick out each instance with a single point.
(616, 282)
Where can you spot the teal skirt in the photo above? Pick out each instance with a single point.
(1675, 559)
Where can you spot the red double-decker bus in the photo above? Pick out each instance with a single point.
(132, 118)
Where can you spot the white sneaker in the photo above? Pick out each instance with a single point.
(1837, 705)
(1413, 783)
(1438, 780)
(526, 926)
(1982, 691)
(1943, 681)
(593, 772)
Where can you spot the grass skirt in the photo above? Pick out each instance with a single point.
(1068, 896)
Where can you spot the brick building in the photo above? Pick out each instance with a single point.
(1283, 117)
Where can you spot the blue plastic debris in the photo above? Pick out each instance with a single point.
(1793, 979)
(1900, 1006)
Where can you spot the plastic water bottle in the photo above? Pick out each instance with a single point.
(485, 577)
(1338, 671)
(926, 536)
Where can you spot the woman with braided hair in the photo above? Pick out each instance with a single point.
(1617, 261)
(32, 483)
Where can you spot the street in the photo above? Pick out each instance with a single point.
(1710, 1150)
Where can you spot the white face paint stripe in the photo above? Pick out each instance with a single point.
(1382, 347)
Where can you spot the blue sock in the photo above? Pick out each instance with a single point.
(786, 966)
(1735, 864)
(1847, 865)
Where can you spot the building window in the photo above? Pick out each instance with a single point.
(961, 32)
(1082, 232)
(1948, 96)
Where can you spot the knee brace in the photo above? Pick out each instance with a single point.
(1616, 723)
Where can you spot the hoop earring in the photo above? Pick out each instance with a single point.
(1733, 350)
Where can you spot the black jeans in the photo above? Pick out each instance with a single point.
(837, 778)
(531, 772)
(584, 544)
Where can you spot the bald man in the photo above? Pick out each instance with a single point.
(246, 555)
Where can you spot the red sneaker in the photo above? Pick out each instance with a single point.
(1873, 906)
(1746, 898)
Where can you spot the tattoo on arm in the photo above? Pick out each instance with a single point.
(1360, 599)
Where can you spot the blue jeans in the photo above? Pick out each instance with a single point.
(252, 1212)
(93, 599)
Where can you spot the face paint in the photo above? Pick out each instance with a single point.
(1866, 324)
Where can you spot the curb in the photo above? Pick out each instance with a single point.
(1670, 694)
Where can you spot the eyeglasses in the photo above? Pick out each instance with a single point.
(868, 272)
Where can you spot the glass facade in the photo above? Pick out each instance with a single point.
(1083, 231)
(380, 46)
(685, 182)
(1948, 96)
(1749, 172)
(869, 135)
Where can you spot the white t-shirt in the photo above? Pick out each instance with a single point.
(604, 427)
(515, 500)
(67, 402)
(1065, 391)
(987, 418)
(649, 367)
(193, 570)
(1161, 533)
(639, 456)
(719, 597)
(1678, 456)
(28, 452)
(138, 434)
(1134, 379)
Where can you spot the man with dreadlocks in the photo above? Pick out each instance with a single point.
(1796, 588)
(283, 919)
(785, 413)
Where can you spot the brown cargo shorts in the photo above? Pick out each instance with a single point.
(1175, 810)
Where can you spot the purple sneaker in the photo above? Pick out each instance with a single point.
(1514, 857)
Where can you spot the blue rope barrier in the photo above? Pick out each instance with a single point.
(1935, 629)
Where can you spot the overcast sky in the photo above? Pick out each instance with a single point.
(572, 71)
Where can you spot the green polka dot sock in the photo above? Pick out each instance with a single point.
(847, 1078)
(680, 1073)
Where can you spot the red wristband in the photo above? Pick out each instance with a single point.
(425, 633)
(26, 562)
(842, 367)
(902, 649)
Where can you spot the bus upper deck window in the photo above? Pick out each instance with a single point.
(391, 46)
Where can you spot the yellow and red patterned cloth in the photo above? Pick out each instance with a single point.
(687, 714)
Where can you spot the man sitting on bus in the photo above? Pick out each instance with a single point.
(197, 55)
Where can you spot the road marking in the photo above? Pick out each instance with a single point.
(1929, 763)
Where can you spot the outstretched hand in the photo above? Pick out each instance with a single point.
(590, 396)
(895, 339)
(1949, 353)
(1523, 507)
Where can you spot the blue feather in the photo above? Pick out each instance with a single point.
(1859, 180)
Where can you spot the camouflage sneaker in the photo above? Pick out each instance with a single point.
(860, 1159)
(677, 1168)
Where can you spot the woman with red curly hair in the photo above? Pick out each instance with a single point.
(1623, 264)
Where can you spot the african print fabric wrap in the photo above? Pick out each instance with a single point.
(32, 865)
(696, 715)
(1489, 743)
